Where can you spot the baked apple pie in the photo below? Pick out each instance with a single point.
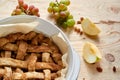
(30, 56)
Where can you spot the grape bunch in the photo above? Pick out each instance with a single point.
(61, 14)
(22, 8)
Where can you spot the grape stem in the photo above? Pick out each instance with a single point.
(57, 1)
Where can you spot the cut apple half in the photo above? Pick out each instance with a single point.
(89, 27)
(91, 53)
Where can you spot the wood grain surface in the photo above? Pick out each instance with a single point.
(106, 15)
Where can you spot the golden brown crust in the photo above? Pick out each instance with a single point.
(2, 72)
(31, 62)
(54, 75)
(56, 57)
(35, 41)
(19, 74)
(10, 47)
(38, 49)
(13, 63)
(54, 48)
(27, 36)
(8, 73)
(2, 54)
(23, 64)
(13, 36)
(18, 70)
(47, 73)
(28, 75)
(8, 54)
(3, 41)
(51, 66)
(21, 52)
(45, 57)
(29, 56)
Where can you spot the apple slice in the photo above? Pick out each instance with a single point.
(91, 53)
(89, 27)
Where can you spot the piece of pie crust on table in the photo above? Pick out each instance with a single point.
(106, 15)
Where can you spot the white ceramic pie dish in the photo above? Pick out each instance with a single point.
(50, 29)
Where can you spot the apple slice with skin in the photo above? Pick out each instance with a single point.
(89, 27)
(91, 53)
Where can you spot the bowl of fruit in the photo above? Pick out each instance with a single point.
(34, 48)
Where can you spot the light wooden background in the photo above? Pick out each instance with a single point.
(108, 41)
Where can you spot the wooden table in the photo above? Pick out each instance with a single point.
(106, 13)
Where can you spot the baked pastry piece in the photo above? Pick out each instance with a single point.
(30, 56)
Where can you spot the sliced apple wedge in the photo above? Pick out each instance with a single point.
(91, 53)
(89, 27)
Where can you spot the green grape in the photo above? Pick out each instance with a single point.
(13, 13)
(18, 11)
(64, 25)
(66, 2)
(22, 13)
(67, 13)
(60, 21)
(50, 9)
(62, 7)
(61, 15)
(70, 22)
(56, 4)
(56, 15)
(70, 17)
(52, 4)
(55, 9)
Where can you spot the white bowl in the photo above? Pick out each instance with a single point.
(50, 29)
